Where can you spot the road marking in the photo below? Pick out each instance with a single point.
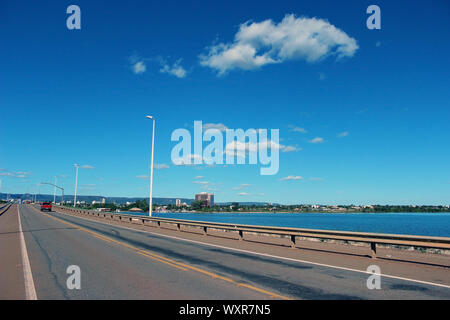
(264, 254)
(168, 261)
(30, 290)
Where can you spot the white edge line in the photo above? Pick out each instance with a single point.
(265, 254)
(30, 291)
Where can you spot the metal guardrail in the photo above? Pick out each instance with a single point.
(363, 237)
(5, 208)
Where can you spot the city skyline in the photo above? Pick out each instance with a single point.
(363, 117)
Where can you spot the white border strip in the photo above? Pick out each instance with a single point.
(30, 291)
(265, 254)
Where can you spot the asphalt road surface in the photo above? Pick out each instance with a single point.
(120, 263)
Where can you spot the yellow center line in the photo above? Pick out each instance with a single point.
(168, 261)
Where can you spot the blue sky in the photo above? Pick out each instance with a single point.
(375, 101)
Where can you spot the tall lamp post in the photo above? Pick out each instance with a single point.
(54, 194)
(76, 185)
(151, 168)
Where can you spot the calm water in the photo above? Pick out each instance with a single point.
(429, 224)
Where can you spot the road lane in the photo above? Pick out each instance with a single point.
(12, 285)
(292, 279)
(109, 270)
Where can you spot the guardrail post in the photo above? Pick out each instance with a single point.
(158, 223)
(205, 231)
(373, 250)
(241, 235)
(293, 241)
(178, 227)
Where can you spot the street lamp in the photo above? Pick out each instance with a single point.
(151, 167)
(38, 192)
(76, 185)
(54, 194)
(61, 188)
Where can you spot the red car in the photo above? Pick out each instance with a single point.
(46, 206)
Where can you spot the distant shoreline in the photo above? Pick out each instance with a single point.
(322, 212)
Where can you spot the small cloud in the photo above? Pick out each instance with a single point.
(22, 176)
(188, 160)
(201, 182)
(343, 134)
(176, 69)
(249, 194)
(139, 67)
(289, 178)
(218, 126)
(297, 129)
(199, 177)
(161, 166)
(26, 173)
(290, 149)
(86, 166)
(242, 186)
(316, 140)
(8, 174)
(142, 176)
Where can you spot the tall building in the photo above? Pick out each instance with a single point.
(178, 202)
(206, 198)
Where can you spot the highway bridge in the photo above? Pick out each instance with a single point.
(120, 259)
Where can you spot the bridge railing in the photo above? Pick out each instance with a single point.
(5, 208)
(373, 239)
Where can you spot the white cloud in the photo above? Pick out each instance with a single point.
(291, 178)
(188, 160)
(290, 149)
(199, 177)
(18, 174)
(239, 148)
(242, 186)
(343, 134)
(260, 43)
(8, 174)
(139, 67)
(218, 126)
(176, 69)
(201, 182)
(161, 166)
(142, 176)
(316, 140)
(249, 194)
(26, 173)
(86, 166)
(297, 129)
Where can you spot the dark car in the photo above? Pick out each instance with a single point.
(46, 206)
